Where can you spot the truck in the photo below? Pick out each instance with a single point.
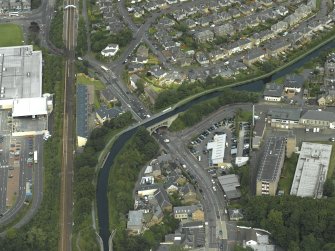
(35, 157)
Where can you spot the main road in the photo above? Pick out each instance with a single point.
(69, 35)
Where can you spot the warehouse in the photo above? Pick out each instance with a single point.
(21, 89)
(311, 170)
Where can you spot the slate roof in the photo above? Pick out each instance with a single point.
(319, 115)
(273, 90)
(82, 111)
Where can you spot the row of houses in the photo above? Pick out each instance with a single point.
(14, 6)
(159, 181)
(111, 16)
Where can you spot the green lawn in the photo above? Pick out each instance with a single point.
(86, 80)
(11, 34)
(287, 175)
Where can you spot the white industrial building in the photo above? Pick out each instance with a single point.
(21, 88)
(311, 170)
(217, 149)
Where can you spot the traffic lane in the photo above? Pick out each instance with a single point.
(223, 113)
(206, 187)
(3, 189)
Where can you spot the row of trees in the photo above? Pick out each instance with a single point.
(81, 47)
(56, 27)
(199, 111)
(42, 232)
(123, 175)
(84, 174)
(295, 223)
(172, 96)
(100, 39)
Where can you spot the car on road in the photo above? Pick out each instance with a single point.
(332, 139)
(214, 188)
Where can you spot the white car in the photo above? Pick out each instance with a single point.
(214, 188)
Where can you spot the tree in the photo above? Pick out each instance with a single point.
(328, 188)
(275, 222)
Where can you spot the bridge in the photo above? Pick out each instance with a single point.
(164, 123)
(70, 6)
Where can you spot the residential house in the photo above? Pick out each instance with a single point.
(318, 119)
(292, 19)
(277, 46)
(134, 78)
(107, 95)
(204, 36)
(204, 21)
(255, 55)
(143, 51)
(293, 83)
(188, 194)
(163, 200)
(266, 3)
(147, 190)
(104, 113)
(190, 23)
(201, 58)
(110, 50)
(217, 55)
(186, 212)
(303, 11)
(273, 92)
(235, 214)
(135, 222)
(282, 10)
(328, 98)
(157, 72)
(281, 26)
(138, 12)
(135, 67)
(235, 12)
(223, 30)
(166, 22)
(171, 188)
(179, 15)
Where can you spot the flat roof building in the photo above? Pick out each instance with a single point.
(21, 89)
(21, 72)
(311, 170)
(217, 148)
(270, 166)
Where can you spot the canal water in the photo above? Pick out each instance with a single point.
(255, 86)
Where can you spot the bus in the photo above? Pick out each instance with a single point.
(13, 14)
(104, 68)
(35, 157)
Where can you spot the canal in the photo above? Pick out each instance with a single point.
(102, 184)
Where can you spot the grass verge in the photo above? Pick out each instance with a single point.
(11, 35)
